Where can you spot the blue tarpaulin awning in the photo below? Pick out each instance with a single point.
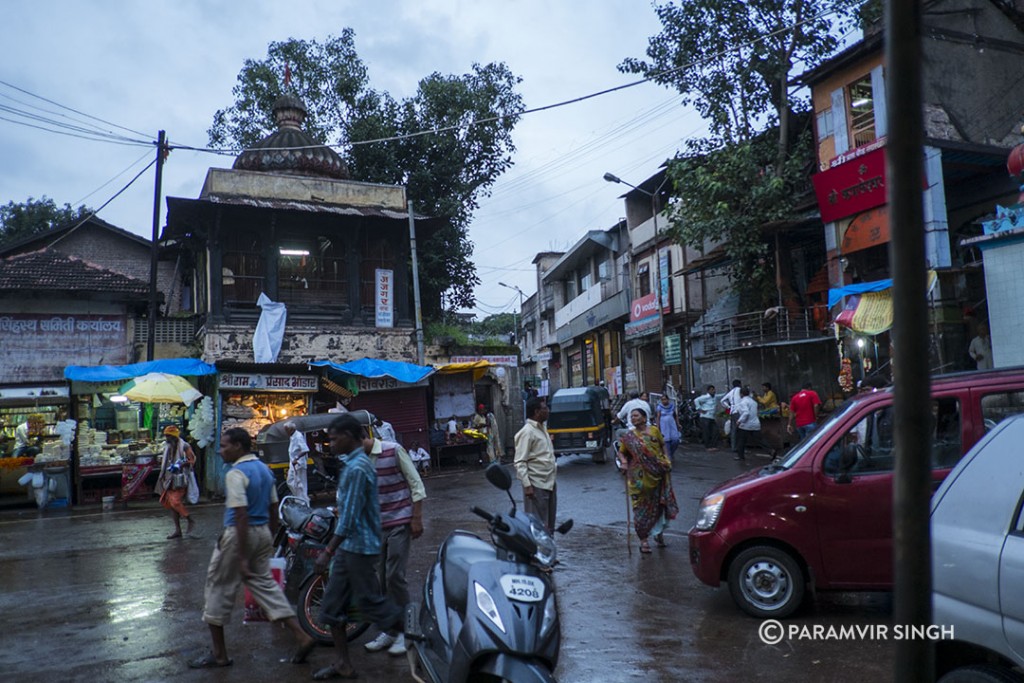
(407, 373)
(836, 295)
(119, 373)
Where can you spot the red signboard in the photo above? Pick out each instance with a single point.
(869, 229)
(853, 187)
(644, 307)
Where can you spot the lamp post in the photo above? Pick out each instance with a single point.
(612, 178)
(515, 325)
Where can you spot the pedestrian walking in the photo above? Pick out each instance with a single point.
(175, 474)
(649, 473)
(748, 425)
(400, 492)
(535, 463)
(730, 401)
(668, 424)
(243, 552)
(706, 405)
(804, 408)
(298, 451)
(636, 400)
(353, 552)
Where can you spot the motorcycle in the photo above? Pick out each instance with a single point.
(301, 537)
(489, 611)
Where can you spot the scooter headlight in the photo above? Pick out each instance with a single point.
(550, 614)
(485, 603)
(545, 544)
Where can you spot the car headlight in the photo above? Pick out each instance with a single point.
(710, 508)
(485, 603)
(550, 613)
(545, 544)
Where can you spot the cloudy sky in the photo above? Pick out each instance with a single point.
(171, 64)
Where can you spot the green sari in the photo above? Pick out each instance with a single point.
(650, 479)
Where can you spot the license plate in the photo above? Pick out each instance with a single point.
(522, 588)
(591, 444)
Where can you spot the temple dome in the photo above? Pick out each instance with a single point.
(289, 149)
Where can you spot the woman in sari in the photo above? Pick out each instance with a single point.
(648, 472)
(175, 473)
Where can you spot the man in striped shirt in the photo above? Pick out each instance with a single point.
(399, 490)
(358, 535)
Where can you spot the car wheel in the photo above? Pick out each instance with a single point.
(981, 673)
(766, 582)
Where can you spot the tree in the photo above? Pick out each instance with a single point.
(446, 171)
(734, 61)
(33, 216)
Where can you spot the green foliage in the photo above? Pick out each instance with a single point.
(492, 331)
(729, 60)
(33, 216)
(727, 194)
(498, 325)
(446, 172)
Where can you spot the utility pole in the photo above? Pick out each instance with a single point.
(420, 356)
(515, 326)
(912, 602)
(161, 145)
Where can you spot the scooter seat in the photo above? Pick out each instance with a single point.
(462, 550)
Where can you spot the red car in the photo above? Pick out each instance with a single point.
(822, 513)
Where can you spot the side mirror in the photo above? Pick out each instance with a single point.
(498, 476)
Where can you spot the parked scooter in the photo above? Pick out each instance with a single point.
(303, 534)
(489, 612)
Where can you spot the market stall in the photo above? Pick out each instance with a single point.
(254, 395)
(120, 412)
(40, 413)
(456, 397)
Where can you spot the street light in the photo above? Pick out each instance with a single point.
(515, 326)
(612, 178)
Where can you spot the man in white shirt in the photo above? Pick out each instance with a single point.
(981, 348)
(385, 432)
(747, 422)
(298, 450)
(731, 401)
(419, 456)
(634, 403)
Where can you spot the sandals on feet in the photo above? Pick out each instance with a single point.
(645, 548)
(208, 661)
(660, 540)
(302, 652)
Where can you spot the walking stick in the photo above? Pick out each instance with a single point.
(629, 515)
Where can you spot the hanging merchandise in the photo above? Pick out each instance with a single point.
(203, 423)
(846, 376)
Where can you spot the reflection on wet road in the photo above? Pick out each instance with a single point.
(90, 596)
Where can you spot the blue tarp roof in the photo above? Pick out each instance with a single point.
(834, 295)
(117, 373)
(408, 373)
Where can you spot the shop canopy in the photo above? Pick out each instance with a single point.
(836, 295)
(120, 373)
(372, 368)
(478, 368)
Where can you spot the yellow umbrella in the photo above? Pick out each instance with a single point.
(159, 387)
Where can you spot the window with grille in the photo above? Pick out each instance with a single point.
(862, 112)
(166, 331)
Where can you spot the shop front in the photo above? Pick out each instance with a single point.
(120, 413)
(34, 438)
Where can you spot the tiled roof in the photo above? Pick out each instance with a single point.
(52, 271)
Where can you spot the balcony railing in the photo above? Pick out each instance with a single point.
(755, 329)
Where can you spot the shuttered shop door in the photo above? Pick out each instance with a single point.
(405, 409)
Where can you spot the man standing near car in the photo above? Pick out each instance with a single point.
(400, 492)
(706, 406)
(353, 577)
(804, 408)
(535, 463)
(731, 401)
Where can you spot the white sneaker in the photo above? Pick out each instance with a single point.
(380, 642)
(398, 648)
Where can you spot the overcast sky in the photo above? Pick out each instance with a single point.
(163, 64)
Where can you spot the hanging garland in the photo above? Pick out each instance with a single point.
(846, 376)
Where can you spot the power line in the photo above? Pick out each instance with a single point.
(76, 135)
(104, 204)
(80, 113)
(128, 168)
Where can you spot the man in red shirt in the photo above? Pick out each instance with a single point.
(804, 408)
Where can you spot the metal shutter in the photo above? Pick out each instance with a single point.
(405, 409)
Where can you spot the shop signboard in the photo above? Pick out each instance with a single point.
(509, 360)
(385, 297)
(644, 307)
(366, 384)
(852, 187)
(868, 229)
(673, 350)
(665, 272)
(246, 381)
(542, 356)
(39, 345)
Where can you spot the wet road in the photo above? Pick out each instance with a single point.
(93, 596)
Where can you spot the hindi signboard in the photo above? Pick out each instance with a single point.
(673, 350)
(247, 381)
(39, 345)
(385, 297)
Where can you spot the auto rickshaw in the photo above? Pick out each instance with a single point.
(272, 447)
(579, 422)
